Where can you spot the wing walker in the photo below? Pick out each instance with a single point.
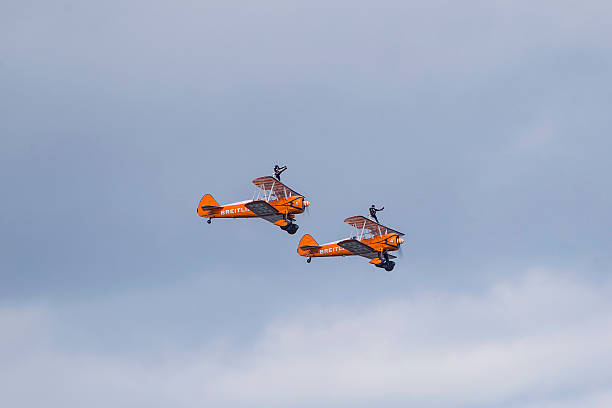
(374, 241)
(275, 203)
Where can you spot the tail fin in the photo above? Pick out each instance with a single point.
(207, 203)
(307, 243)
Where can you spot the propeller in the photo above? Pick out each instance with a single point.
(307, 207)
(400, 251)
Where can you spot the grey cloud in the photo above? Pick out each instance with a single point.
(526, 338)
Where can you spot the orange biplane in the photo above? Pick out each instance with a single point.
(374, 242)
(278, 205)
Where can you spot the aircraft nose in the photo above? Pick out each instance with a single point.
(400, 241)
(306, 203)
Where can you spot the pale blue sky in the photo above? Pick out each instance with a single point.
(484, 130)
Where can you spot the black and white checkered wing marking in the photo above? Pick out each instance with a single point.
(359, 248)
(264, 210)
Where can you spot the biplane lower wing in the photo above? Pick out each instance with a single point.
(361, 249)
(265, 210)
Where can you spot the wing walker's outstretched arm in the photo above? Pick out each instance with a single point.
(278, 171)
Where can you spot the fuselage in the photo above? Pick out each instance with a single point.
(387, 242)
(289, 205)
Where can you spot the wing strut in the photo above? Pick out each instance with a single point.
(362, 229)
(271, 190)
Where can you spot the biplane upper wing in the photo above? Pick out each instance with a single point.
(361, 249)
(280, 190)
(362, 223)
(264, 210)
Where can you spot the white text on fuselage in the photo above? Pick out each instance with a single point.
(329, 250)
(234, 211)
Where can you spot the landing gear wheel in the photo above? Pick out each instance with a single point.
(389, 266)
(308, 260)
(209, 221)
(292, 228)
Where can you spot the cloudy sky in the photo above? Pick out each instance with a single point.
(482, 128)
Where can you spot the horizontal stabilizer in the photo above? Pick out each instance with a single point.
(209, 207)
(309, 247)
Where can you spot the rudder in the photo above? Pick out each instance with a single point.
(207, 203)
(307, 243)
